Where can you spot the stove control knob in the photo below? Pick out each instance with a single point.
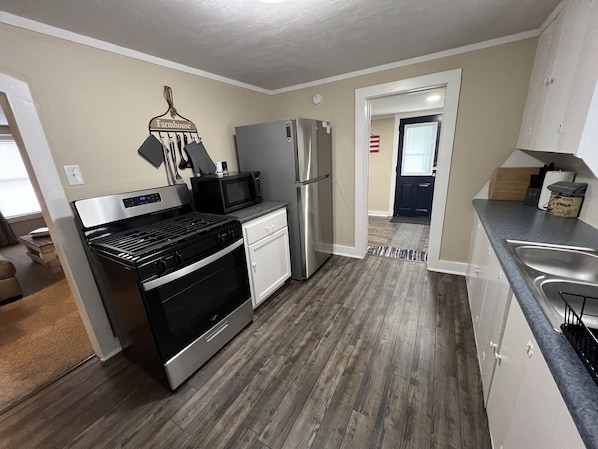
(231, 234)
(161, 266)
(178, 258)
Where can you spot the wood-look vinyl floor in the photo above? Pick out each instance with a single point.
(381, 232)
(373, 353)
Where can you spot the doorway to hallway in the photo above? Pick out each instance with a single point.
(416, 166)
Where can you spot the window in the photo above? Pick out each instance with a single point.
(419, 145)
(17, 196)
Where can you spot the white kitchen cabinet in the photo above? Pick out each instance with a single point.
(540, 84)
(580, 134)
(489, 292)
(555, 68)
(497, 296)
(477, 276)
(525, 408)
(268, 254)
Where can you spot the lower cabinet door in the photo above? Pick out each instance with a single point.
(541, 419)
(492, 319)
(269, 264)
(525, 408)
(508, 375)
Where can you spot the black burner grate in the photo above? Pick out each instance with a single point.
(137, 242)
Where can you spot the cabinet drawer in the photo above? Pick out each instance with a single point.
(257, 229)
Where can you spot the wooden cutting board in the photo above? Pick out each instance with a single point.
(510, 183)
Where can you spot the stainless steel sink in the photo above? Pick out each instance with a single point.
(556, 273)
(557, 292)
(578, 264)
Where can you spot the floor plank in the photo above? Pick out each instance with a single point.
(373, 353)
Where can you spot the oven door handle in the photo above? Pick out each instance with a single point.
(155, 283)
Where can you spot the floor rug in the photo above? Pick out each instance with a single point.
(41, 337)
(409, 236)
(398, 253)
(414, 220)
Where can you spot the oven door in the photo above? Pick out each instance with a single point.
(184, 304)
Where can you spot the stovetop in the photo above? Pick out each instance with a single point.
(133, 244)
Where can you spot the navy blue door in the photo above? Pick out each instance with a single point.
(416, 165)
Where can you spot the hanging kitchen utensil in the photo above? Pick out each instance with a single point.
(172, 122)
(184, 163)
(166, 151)
(202, 163)
(152, 151)
(177, 178)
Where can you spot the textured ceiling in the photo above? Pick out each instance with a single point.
(278, 45)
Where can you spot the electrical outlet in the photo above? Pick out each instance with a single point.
(73, 175)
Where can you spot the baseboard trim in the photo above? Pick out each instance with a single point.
(346, 251)
(448, 267)
(442, 266)
(378, 213)
(105, 357)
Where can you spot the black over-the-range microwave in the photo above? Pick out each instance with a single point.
(221, 194)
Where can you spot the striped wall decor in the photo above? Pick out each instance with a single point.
(374, 144)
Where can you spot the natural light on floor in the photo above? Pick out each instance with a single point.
(16, 192)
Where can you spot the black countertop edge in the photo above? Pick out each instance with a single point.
(257, 210)
(514, 220)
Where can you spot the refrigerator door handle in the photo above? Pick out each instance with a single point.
(311, 181)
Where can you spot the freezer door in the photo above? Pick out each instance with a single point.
(269, 149)
(314, 149)
(315, 222)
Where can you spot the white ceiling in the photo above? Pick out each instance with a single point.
(273, 46)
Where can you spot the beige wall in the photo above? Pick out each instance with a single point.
(493, 91)
(95, 108)
(25, 226)
(380, 166)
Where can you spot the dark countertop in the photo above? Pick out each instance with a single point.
(257, 210)
(514, 220)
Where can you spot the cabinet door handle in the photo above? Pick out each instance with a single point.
(493, 345)
(254, 266)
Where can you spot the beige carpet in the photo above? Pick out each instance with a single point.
(41, 337)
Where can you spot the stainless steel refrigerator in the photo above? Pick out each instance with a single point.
(295, 160)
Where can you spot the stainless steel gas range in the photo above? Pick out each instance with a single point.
(174, 282)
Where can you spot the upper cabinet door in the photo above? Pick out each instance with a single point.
(579, 130)
(555, 68)
(539, 84)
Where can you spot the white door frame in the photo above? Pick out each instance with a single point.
(58, 214)
(452, 81)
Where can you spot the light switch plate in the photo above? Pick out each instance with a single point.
(73, 175)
